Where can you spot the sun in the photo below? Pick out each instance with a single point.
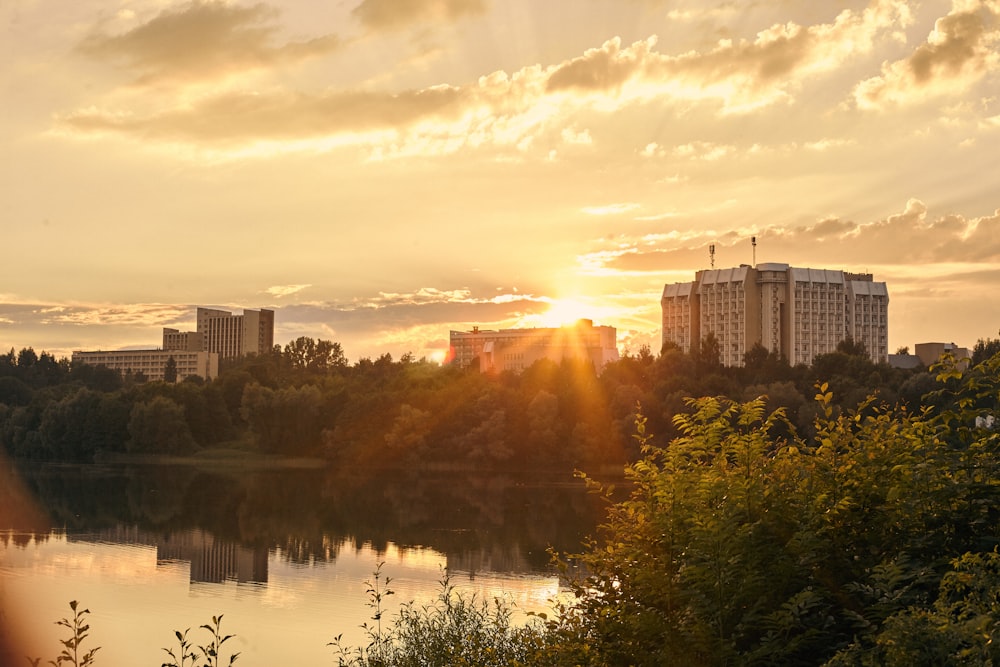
(562, 312)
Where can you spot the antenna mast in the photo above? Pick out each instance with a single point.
(753, 242)
(711, 255)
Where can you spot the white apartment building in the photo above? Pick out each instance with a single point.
(151, 363)
(517, 349)
(229, 335)
(798, 312)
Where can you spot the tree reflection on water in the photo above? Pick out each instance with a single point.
(497, 522)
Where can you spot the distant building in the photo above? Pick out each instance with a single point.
(230, 336)
(905, 361)
(151, 363)
(189, 341)
(931, 353)
(517, 349)
(797, 312)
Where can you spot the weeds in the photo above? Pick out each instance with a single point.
(70, 654)
(452, 630)
(210, 652)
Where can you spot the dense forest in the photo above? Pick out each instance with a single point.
(305, 399)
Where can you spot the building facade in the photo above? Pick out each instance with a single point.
(517, 349)
(797, 312)
(152, 363)
(230, 336)
(931, 353)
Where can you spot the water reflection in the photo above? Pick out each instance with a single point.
(497, 523)
(284, 554)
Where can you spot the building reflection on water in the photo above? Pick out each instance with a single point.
(212, 561)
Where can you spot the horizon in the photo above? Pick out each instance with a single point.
(380, 173)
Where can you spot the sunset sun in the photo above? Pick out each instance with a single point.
(563, 312)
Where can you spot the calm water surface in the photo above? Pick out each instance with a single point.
(284, 555)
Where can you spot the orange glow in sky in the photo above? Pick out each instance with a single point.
(380, 173)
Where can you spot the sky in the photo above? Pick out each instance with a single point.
(381, 172)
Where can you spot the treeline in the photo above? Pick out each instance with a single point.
(305, 399)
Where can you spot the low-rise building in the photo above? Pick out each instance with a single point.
(931, 353)
(517, 349)
(152, 363)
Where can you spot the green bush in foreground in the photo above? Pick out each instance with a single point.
(452, 630)
(738, 546)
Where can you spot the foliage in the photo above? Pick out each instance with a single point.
(744, 543)
(452, 630)
(170, 370)
(304, 399)
(159, 425)
(71, 653)
(962, 627)
(985, 349)
(208, 654)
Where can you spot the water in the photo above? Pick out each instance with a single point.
(283, 555)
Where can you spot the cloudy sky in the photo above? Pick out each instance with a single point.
(380, 172)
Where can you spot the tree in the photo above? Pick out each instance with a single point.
(73, 429)
(13, 391)
(742, 543)
(286, 421)
(314, 356)
(853, 348)
(170, 370)
(709, 355)
(984, 349)
(158, 426)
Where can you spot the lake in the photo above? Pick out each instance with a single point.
(283, 554)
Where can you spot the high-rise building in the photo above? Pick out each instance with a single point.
(797, 312)
(516, 349)
(226, 334)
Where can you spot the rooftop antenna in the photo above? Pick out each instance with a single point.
(711, 255)
(753, 242)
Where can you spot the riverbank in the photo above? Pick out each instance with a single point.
(228, 457)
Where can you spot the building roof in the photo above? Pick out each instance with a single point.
(829, 276)
(677, 289)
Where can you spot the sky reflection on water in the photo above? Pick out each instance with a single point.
(137, 600)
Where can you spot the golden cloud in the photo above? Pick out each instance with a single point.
(202, 40)
(498, 110)
(910, 237)
(959, 52)
(389, 14)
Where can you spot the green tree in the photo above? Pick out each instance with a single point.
(159, 426)
(170, 370)
(286, 421)
(314, 356)
(985, 348)
(742, 543)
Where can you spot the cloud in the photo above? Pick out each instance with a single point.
(743, 75)
(610, 209)
(703, 150)
(946, 244)
(202, 40)
(241, 117)
(394, 14)
(65, 327)
(285, 290)
(960, 51)
(499, 110)
(113, 315)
